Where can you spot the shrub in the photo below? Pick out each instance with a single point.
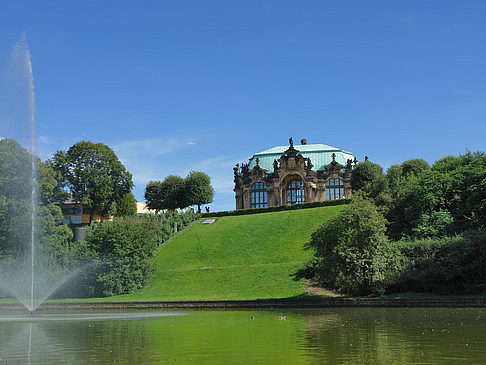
(448, 265)
(124, 249)
(352, 251)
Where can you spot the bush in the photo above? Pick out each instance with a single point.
(352, 252)
(124, 249)
(448, 265)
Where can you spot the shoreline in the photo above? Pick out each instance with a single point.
(267, 304)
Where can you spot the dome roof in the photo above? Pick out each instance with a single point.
(320, 156)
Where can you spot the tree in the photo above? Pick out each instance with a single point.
(394, 176)
(50, 191)
(368, 177)
(198, 189)
(15, 170)
(168, 194)
(153, 195)
(94, 176)
(16, 185)
(420, 206)
(446, 164)
(352, 250)
(126, 206)
(415, 167)
(125, 247)
(54, 253)
(468, 194)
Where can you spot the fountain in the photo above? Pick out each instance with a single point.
(23, 271)
(26, 271)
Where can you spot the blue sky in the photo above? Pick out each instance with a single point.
(174, 86)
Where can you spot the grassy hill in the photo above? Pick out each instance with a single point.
(241, 257)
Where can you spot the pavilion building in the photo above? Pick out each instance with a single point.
(293, 174)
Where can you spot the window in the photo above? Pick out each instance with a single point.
(258, 195)
(71, 211)
(295, 192)
(334, 189)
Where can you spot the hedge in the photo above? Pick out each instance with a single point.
(277, 208)
(446, 265)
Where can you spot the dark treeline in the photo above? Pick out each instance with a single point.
(415, 228)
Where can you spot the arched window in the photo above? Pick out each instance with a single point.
(258, 195)
(334, 189)
(295, 192)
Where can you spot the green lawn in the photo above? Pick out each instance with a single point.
(241, 257)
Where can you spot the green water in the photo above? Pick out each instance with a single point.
(330, 336)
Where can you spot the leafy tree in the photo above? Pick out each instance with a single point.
(15, 170)
(469, 156)
(468, 195)
(124, 247)
(16, 186)
(55, 254)
(15, 196)
(198, 189)
(153, 195)
(449, 198)
(415, 167)
(419, 202)
(94, 175)
(369, 178)
(395, 178)
(446, 164)
(352, 250)
(173, 191)
(50, 189)
(167, 194)
(450, 163)
(433, 224)
(126, 206)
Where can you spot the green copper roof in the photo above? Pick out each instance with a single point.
(319, 154)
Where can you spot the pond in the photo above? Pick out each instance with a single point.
(325, 336)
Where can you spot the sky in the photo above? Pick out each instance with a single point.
(175, 86)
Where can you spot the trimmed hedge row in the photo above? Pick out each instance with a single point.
(277, 208)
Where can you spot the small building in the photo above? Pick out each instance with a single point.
(143, 210)
(293, 174)
(77, 213)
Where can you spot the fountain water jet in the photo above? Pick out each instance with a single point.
(33, 283)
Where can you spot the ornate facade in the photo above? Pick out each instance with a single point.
(291, 175)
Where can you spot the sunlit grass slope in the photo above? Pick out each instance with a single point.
(241, 257)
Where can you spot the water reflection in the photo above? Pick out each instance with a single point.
(359, 335)
(22, 342)
(86, 338)
(404, 336)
